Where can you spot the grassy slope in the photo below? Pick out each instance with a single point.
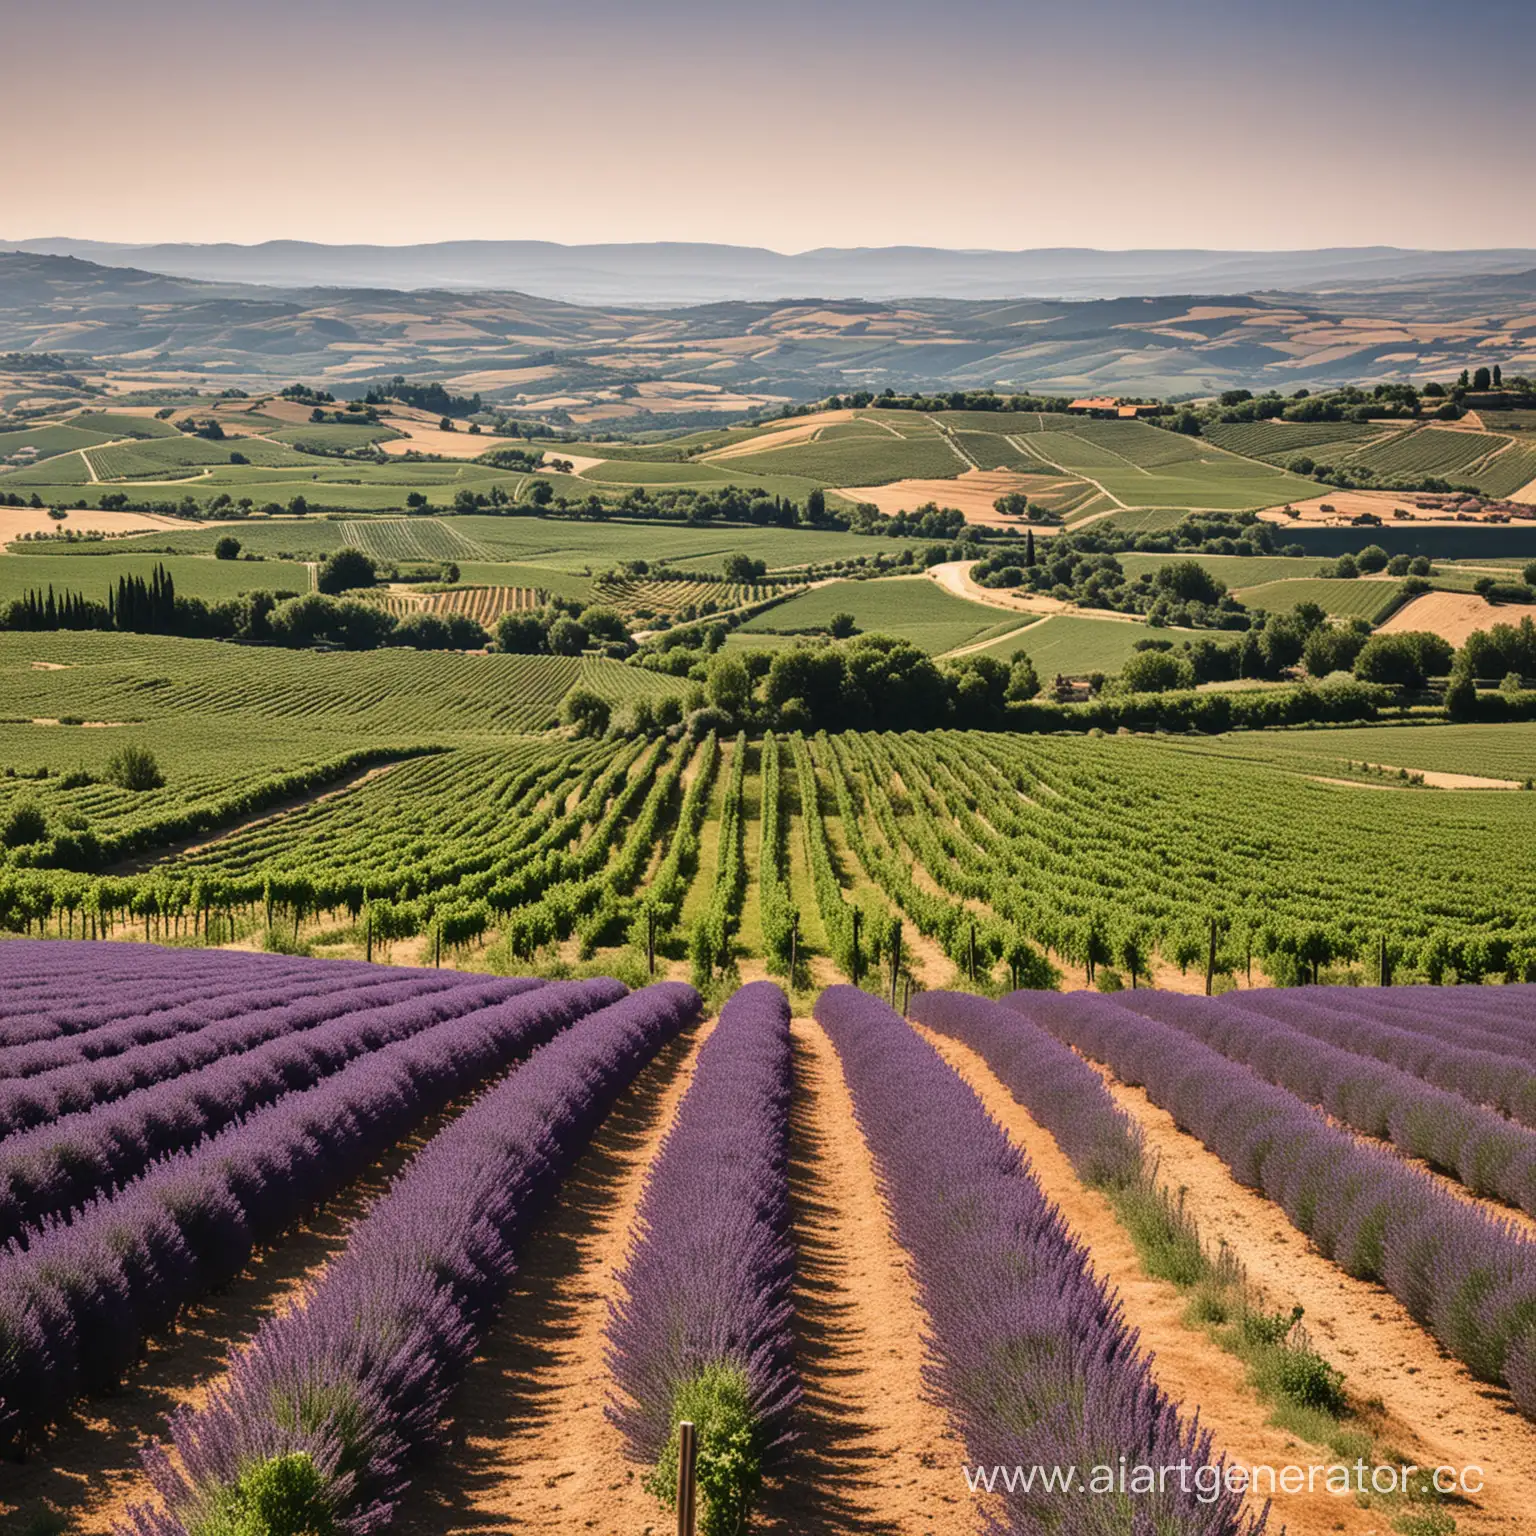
(912, 608)
(93, 576)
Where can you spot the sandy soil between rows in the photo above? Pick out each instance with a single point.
(1360, 1327)
(1189, 1366)
(1451, 615)
(451, 445)
(876, 1456)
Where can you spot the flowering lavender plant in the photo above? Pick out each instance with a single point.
(706, 1309)
(1467, 1277)
(1029, 1351)
(324, 1408)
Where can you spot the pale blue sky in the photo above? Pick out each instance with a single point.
(871, 122)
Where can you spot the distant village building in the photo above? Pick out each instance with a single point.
(1107, 403)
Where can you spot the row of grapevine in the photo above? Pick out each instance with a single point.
(712, 937)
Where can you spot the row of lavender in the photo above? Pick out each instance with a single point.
(1466, 1276)
(1475, 1144)
(77, 1303)
(703, 1331)
(53, 1166)
(320, 1416)
(1471, 1041)
(1031, 1353)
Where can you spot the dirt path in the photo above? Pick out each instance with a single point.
(90, 1473)
(955, 577)
(1189, 1366)
(982, 645)
(1363, 1329)
(875, 1457)
(532, 1450)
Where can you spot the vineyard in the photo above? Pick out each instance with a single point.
(399, 538)
(642, 598)
(947, 854)
(482, 604)
(289, 1242)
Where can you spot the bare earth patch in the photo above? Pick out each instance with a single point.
(1451, 615)
(451, 445)
(15, 521)
(532, 1448)
(972, 493)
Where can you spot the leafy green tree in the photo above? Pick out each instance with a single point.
(24, 825)
(567, 637)
(1157, 672)
(744, 568)
(841, 625)
(728, 684)
(603, 623)
(227, 549)
(521, 634)
(586, 711)
(1372, 558)
(1408, 659)
(345, 570)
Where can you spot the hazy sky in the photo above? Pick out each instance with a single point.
(1228, 123)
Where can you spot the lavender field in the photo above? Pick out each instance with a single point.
(296, 1247)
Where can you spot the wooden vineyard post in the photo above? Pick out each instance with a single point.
(972, 958)
(1210, 960)
(855, 946)
(794, 947)
(895, 963)
(1383, 969)
(368, 935)
(687, 1467)
(437, 943)
(906, 994)
(650, 940)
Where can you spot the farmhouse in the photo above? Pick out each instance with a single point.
(1094, 404)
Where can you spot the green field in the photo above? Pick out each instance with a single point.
(95, 575)
(1485, 751)
(120, 424)
(1280, 441)
(49, 441)
(1236, 570)
(389, 695)
(278, 538)
(581, 547)
(333, 437)
(1076, 646)
(869, 455)
(911, 608)
(1338, 599)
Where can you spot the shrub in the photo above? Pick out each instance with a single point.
(729, 1470)
(227, 549)
(134, 767)
(585, 710)
(25, 825)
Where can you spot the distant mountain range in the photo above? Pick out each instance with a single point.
(676, 273)
(634, 366)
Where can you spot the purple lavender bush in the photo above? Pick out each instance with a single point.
(1468, 1278)
(1478, 1075)
(318, 1417)
(51, 1167)
(1490, 1155)
(1031, 1354)
(81, 1297)
(1058, 1088)
(703, 1332)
